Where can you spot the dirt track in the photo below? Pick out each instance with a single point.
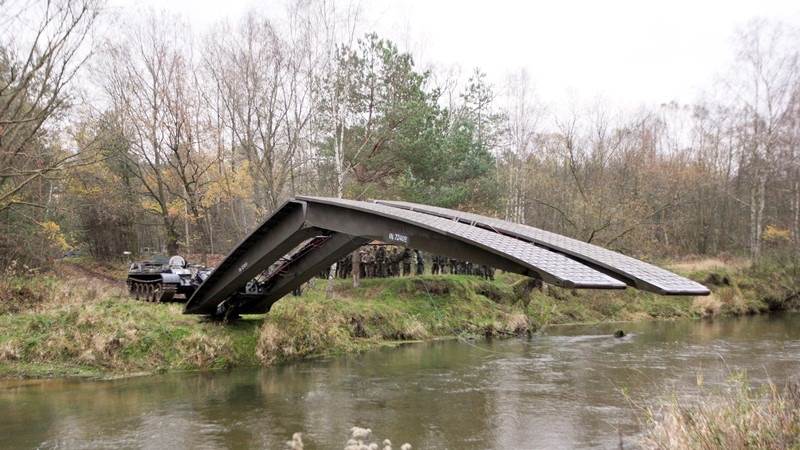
(71, 268)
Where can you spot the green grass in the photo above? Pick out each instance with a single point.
(73, 325)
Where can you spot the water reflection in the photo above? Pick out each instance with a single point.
(564, 389)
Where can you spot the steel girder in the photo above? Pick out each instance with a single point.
(303, 269)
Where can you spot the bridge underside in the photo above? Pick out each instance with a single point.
(308, 234)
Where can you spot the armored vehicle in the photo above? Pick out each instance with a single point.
(160, 279)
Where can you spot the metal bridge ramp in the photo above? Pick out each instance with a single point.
(634, 272)
(308, 234)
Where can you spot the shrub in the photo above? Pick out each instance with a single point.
(708, 306)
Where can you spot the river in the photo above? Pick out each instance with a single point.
(571, 387)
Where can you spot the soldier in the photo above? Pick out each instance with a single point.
(435, 265)
(380, 262)
(362, 256)
(348, 266)
(365, 263)
(390, 261)
(370, 269)
(407, 259)
(343, 268)
(420, 262)
(396, 259)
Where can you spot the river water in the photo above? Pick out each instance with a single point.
(571, 387)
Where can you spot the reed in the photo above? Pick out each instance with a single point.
(743, 416)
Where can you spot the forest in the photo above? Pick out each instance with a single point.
(137, 133)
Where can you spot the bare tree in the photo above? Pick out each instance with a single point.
(763, 83)
(42, 48)
(523, 116)
(139, 72)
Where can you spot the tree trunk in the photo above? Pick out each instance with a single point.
(172, 235)
(757, 200)
(355, 259)
(796, 215)
(331, 277)
(338, 155)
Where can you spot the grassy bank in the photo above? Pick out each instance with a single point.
(79, 323)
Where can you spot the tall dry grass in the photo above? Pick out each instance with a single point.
(62, 322)
(24, 290)
(708, 306)
(698, 264)
(743, 418)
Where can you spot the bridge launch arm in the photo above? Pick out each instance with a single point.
(307, 234)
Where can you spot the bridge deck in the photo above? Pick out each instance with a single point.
(548, 265)
(638, 273)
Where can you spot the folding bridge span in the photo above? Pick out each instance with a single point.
(308, 234)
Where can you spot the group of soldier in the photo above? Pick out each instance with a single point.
(381, 261)
(444, 265)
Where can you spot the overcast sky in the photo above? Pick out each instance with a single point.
(629, 53)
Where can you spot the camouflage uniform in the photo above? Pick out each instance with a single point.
(396, 257)
(362, 258)
(408, 261)
(347, 266)
(435, 265)
(380, 262)
(370, 268)
(420, 262)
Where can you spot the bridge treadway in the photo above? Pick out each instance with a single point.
(558, 268)
(641, 274)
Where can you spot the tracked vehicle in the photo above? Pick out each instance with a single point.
(162, 280)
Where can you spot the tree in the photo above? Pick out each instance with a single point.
(43, 46)
(368, 101)
(139, 73)
(523, 118)
(764, 81)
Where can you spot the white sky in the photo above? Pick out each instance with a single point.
(627, 52)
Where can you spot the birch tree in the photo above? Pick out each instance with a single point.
(765, 76)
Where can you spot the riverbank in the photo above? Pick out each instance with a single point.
(81, 324)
